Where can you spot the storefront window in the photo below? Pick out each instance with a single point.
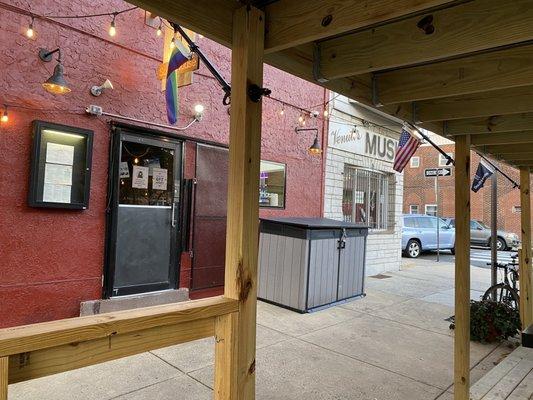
(272, 184)
(366, 198)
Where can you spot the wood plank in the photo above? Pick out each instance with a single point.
(526, 269)
(524, 390)
(211, 18)
(49, 334)
(494, 123)
(48, 361)
(516, 156)
(243, 189)
(502, 138)
(226, 330)
(492, 70)
(510, 382)
(495, 375)
(4, 377)
(290, 23)
(506, 149)
(462, 269)
(462, 29)
(521, 163)
(496, 102)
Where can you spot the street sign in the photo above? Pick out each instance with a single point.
(432, 172)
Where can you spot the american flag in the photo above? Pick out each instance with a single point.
(406, 148)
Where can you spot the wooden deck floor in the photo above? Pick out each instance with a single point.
(512, 379)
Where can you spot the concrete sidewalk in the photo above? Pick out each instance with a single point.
(393, 344)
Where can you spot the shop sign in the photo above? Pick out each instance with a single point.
(361, 140)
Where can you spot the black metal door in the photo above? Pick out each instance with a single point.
(143, 246)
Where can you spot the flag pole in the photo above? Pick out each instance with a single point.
(449, 159)
(515, 184)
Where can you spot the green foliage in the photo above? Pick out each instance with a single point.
(492, 321)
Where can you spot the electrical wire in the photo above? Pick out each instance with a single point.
(108, 14)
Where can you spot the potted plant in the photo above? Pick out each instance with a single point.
(492, 321)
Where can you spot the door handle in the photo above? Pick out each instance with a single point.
(172, 218)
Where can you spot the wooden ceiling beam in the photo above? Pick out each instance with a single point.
(495, 102)
(290, 23)
(516, 156)
(494, 123)
(462, 29)
(501, 150)
(493, 70)
(502, 138)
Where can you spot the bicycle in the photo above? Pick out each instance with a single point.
(507, 291)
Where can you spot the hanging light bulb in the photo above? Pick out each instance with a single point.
(136, 160)
(326, 113)
(29, 31)
(301, 120)
(315, 148)
(282, 112)
(172, 42)
(112, 27)
(160, 29)
(4, 117)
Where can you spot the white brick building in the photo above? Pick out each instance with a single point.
(360, 184)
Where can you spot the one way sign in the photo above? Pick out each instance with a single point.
(432, 172)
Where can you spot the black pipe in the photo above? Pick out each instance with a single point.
(194, 48)
(427, 139)
(515, 184)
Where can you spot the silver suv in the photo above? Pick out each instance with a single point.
(480, 235)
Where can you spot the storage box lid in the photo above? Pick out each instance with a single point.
(314, 223)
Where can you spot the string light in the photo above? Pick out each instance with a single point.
(5, 116)
(29, 31)
(282, 112)
(326, 113)
(172, 42)
(112, 27)
(136, 160)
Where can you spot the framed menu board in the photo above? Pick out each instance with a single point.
(60, 175)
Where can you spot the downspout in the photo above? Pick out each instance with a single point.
(325, 130)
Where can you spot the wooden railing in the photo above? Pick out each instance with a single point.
(33, 351)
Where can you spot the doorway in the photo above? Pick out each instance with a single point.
(144, 204)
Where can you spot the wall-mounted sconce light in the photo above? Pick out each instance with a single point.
(5, 116)
(314, 149)
(198, 112)
(97, 90)
(56, 84)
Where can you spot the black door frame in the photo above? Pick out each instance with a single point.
(112, 211)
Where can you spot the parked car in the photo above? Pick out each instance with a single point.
(419, 234)
(480, 235)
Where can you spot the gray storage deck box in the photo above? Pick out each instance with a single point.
(307, 263)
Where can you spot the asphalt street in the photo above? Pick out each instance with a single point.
(479, 256)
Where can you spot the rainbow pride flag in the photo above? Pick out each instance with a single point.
(178, 57)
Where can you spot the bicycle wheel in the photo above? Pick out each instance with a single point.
(503, 294)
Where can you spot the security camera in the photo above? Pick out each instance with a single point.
(97, 90)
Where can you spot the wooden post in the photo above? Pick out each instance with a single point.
(4, 377)
(526, 303)
(243, 198)
(226, 356)
(462, 269)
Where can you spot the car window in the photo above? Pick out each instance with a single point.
(473, 225)
(452, 223)
(483, 225)
(427, 222)
(409, 222)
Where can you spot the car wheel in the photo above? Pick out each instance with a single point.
(500, 244)
(413, 249)
(452, 250)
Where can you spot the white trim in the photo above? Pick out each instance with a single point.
(431, 205)
(411, 208)
(411, 164)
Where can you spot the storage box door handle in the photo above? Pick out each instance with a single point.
(342, 240)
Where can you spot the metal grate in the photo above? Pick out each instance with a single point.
(366, 198)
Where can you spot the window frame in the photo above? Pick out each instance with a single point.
(431, 205)
(284, 185)
(411, 209)
(417, 158)
(442, 160)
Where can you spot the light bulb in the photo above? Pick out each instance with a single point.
(136, 160)
(30, 32)
(198, 108)
(282, 112)
(159, 31)
(4, 117)
(300, 119)
(173, 43)
(112, 28)
(326, 113)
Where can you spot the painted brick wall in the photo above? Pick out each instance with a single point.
(53, 259)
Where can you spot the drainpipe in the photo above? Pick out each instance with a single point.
(325, 130)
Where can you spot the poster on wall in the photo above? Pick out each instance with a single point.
(140, 177)
(124, 171)
(159, 179)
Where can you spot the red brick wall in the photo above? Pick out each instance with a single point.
(421, 190)
(53, 259)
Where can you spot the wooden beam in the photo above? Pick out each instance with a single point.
(290, 23)
(522, 163)
(506, 148)
(66, 357)
(526, 270)
(462, 29)
(496, 102)
(494, 123)
(494, 70)
(226, 340)
(49, 334)
(4, 377)
(516, 156)
(502, 138)
(243, 191)
(211, 18)
(462, 269)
